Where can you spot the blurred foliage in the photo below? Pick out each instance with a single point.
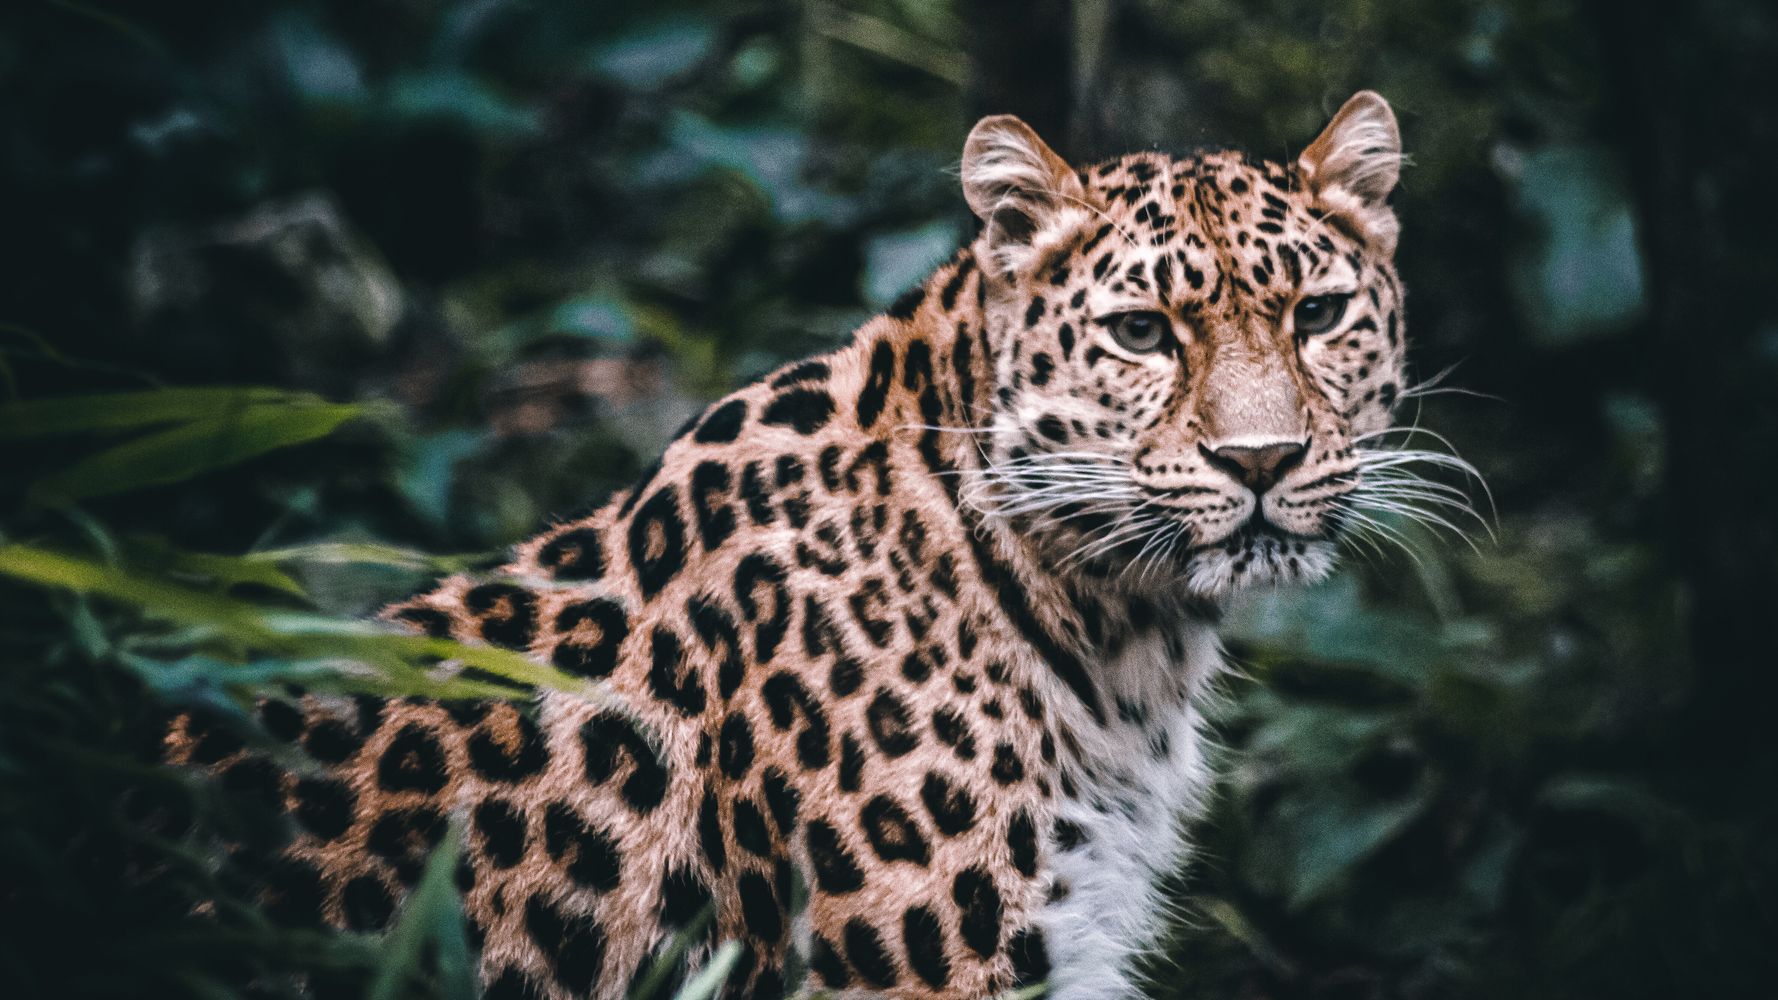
(475, 261)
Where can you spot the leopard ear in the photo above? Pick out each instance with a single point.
(1016, 185)
(1360, 150)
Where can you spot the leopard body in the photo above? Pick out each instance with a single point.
(896, 660)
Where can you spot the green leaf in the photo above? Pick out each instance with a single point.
(369, 655)
(125, 410)
(1330, 830)
(707, 983)
(183, 452)
(433, 913)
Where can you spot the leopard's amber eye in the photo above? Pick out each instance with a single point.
(1139, 332)
(1318, 314)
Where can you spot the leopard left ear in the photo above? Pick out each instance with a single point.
(1017, 186)
(1359, 151)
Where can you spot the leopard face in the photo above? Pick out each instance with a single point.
(1190, 352)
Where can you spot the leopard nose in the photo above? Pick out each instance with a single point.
(1257, 467)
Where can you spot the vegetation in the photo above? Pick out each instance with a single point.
(309, 301)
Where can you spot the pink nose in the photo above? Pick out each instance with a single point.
(1257, 468)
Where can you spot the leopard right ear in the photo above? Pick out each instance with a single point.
(1016, 185)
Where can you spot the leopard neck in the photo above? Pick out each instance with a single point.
(947, 381)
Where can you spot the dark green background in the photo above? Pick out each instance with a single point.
(532, 237)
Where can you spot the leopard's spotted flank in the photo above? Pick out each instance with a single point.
(921, 625)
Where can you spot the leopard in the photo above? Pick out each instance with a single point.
(894, 667)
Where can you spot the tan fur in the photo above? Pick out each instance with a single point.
(916, 540)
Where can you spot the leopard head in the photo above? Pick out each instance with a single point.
(1191, 353)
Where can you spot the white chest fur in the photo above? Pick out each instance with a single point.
(1141, 777)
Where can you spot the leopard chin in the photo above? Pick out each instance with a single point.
(1257, 558)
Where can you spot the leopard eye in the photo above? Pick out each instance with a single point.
(1138, 332)
(1318, 314)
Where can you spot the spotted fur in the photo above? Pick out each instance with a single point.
(921, 627)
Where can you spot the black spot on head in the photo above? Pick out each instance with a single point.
(413, 762)
(805, 410)
(892, 833)
(1052, 427)
(723, 424)
(575, 554)
(501, 830)
(979, 910)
